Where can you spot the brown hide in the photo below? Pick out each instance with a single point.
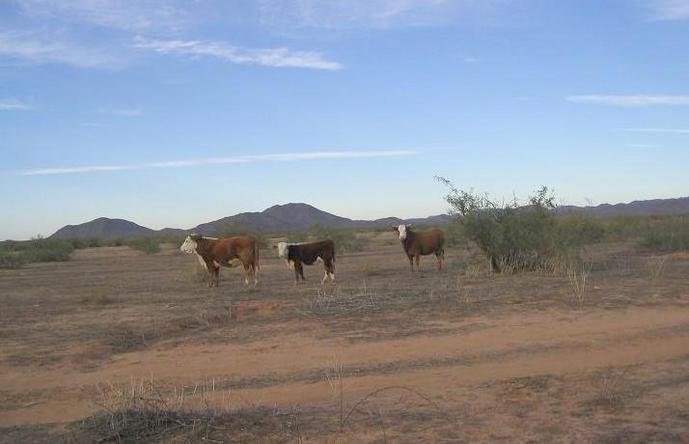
(421, 243)
(221, 252)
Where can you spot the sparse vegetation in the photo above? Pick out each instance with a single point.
(146, 245)
(14, 254)
(514, 237)
(667, 235)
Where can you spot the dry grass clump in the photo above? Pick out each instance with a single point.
(577, 275)
(141, 412)
(337, 301)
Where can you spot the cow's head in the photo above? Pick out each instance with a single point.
(189, 244)
(402, 230)
(283, 252)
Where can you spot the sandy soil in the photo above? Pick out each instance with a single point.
(474, 357)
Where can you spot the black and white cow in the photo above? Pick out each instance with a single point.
(307, 253)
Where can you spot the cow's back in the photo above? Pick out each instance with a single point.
(238, 247)
(431, 241)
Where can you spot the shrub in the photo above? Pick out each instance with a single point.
(668, 234)
(346, 241)
(11, 260)
(580, 229)
(146, 244)
(512, 237)
(14, 254)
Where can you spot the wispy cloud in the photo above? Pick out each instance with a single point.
(669, 9)
(376, 14)
(126, 15)
(35, 48)
(11, 104)
(275, 57)
(635, 100)
(655, 130)
(122, 112)
(286, 157)
(642, 145)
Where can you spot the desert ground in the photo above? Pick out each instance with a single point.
(458, 355)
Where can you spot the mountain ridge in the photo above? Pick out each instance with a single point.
(293, 217)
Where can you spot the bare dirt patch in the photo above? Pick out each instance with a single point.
(495, 357)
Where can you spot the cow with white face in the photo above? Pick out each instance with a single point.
(418, 243)
(228, 252)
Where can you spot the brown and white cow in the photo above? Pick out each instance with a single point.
(418, 243)
(307, 253)
(228, 252)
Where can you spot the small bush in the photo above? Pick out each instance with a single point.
(580, 229)
(14, 254)
(146, 245)
(513, 237)
(667, 235)
(11, 260)
(346, 241)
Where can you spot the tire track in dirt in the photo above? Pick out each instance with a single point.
(291, 370)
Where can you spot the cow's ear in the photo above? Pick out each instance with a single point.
(275, 247)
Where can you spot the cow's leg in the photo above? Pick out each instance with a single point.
(216, 275)
(297, 267)
(247, 271)
(255, 273)
(330, 270)
(439, 255)
(411, 263)
(210, 268)
(301, 271)
(417, 259)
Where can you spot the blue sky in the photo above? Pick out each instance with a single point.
(176, 113)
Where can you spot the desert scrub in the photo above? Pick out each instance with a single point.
(146, 245)
(14, 254)
(667, 235)
(515, 236)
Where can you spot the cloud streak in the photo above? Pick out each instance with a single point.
(32, 48)
(630, 101)
(125, 15)
(655, 130)
(273, 57)
(372, 14)
(260, 158)
(11, 104)
(670, 9)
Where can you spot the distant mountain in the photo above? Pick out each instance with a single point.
(103, 228)
(300, 216)
(278, 218)
(654, 207)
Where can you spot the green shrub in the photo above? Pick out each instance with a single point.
(512, 236)
(14, 254)
(146, 244)
(581, 229)
(667, 235)
(346, 241)
(11, 260)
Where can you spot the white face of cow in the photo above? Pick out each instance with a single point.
(188, 246)
(402, 230)
(282, 250)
